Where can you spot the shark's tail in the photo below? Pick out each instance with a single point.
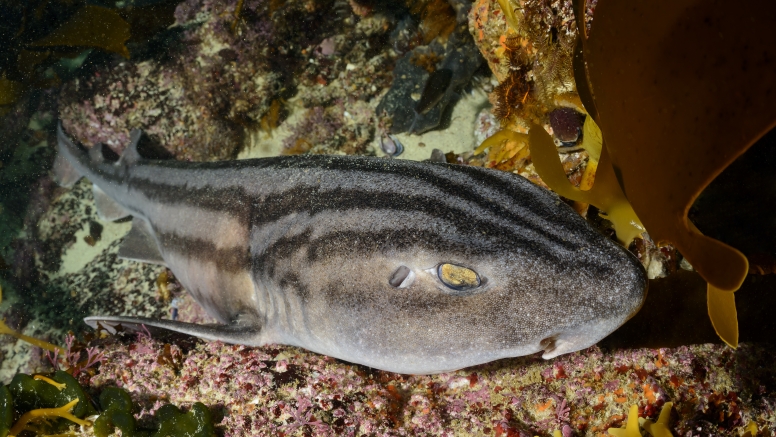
(100, 164)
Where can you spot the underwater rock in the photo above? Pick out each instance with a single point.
(17, 316)
(147, 95)
(279, 389)
(427, 81)
(331, 130)
(528, 46)
(437, 156)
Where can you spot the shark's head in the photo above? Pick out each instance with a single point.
(464, 268)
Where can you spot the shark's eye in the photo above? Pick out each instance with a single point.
(402, 277)
(458, 277)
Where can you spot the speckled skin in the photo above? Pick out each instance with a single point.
(299, 250)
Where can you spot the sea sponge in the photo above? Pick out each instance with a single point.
(529, 47)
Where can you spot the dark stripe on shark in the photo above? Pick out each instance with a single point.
(519, 190)
(500, 182)
(232, 260)
(504, 184)
(313, 201)
(361, 244)
(236, 201)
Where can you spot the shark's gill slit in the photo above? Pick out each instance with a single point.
(402, 277)
(457, 277)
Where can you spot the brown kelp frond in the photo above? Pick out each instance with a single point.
(437, 18)
(42, 32)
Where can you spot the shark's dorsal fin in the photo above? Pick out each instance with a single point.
(131, 156)
(101, 153)
(140, 245)
(107, 208)
(65, 175)
(236, 334)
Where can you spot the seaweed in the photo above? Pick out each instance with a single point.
(672, 64)
(37, 34)
(51, 404)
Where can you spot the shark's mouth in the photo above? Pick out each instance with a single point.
(549, 345)
(558, 344)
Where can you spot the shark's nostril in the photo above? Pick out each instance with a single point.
(402, 277)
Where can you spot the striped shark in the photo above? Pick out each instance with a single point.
(404, 266)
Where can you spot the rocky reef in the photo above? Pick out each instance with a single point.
(220, 79)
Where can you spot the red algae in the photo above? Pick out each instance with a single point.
(276, 390)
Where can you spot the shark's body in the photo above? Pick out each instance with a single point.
(402, 266)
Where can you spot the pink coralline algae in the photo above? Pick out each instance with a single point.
(326, 130)
(286, 391)
(228, 63)
(106, 107)
(225, 58)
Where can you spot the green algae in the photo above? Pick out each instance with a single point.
(118, 413)
(197, 422)
(60, 400)
(32, 394)
(6, 411)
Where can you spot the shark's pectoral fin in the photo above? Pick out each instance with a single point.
(65, 175)
(140, 245)
(107, 208)
(142, 147)
(235, 334)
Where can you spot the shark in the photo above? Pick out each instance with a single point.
(408, 267)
